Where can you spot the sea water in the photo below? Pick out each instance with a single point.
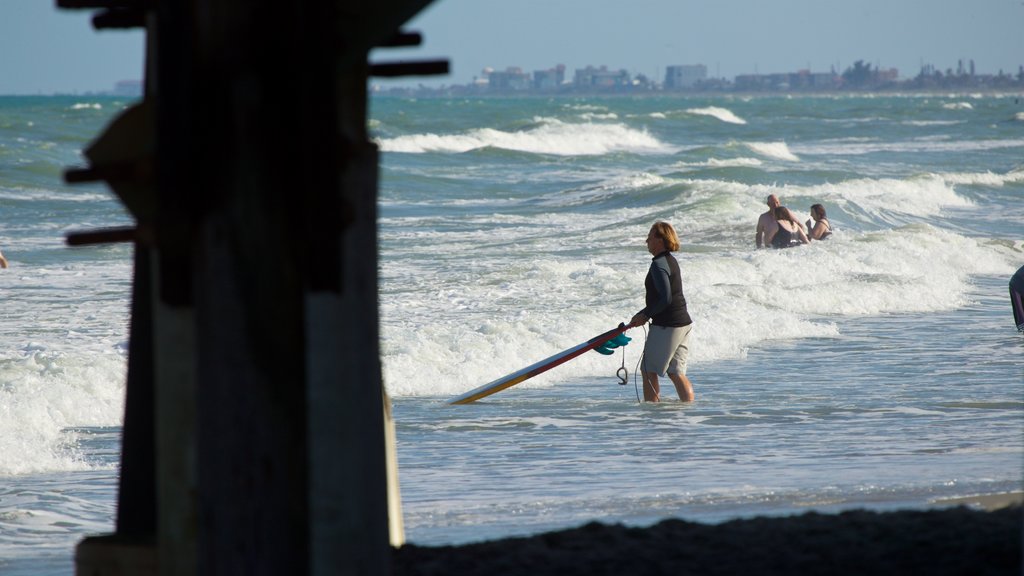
(879, 368)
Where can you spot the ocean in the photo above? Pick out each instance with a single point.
(878, 369)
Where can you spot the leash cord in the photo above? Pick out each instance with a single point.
(622, 373)
(637, 370)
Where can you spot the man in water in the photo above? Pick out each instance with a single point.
(766, 224)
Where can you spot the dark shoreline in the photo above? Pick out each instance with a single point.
(935, 542)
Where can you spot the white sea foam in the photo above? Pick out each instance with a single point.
(931, 122)
(886, 201)
(612, 187)
(586, 107)
(42, 394)
(737, 301)
(984, 178)
(958, 106)
(920, 196)
(776, 150)
(852, 147)
(723, 114)
(550, 137)
(523, 299)
(48, 194)
(723, 163)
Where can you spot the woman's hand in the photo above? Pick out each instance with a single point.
(638, 320)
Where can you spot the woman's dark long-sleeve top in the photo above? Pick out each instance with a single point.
(665, 302)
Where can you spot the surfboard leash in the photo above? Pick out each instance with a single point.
(622, 372)
(636, 371)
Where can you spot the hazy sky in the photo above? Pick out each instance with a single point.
(44, 50)
(730, 37)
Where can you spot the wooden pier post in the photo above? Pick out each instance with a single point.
(257, 314)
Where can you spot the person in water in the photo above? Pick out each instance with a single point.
(789, 232)
(3, 261)
(667, 346)
(766, 226)
(820, 228)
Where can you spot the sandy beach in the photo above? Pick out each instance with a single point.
(980, 535)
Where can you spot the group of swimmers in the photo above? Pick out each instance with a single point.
(779, 228)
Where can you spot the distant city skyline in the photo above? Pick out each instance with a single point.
(57, 51)
(730, 37)
(693, 79)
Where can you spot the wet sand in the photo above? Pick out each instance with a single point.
(981, 535)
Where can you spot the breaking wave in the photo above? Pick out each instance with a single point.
(551, 136)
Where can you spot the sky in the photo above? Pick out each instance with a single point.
(730, 37)
(44, 50)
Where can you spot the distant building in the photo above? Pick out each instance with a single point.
(513, 79)
(889, 75)
(128, 88)
(804, 80)
(687, 76)
(602, 78)
(807, 80)
(550, 79)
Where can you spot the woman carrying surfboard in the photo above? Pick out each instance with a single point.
(667, 346)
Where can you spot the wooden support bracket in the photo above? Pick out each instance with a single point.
(117, 18)
(103, 236)
(108, 4)
(402, 68)
(403, 39)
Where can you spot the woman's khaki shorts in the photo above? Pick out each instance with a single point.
(666, 350)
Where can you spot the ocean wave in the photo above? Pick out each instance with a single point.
(499, 319)
(591, 116)
(723, 114)
(857, 148)
(958, 106)
(741, 162)
(984, 178)
(42, 394)
(613, 187)
(549, 137)
(776, 150)
(586, 107)
(885, 201)
(889, 255)
(924, 123)
(633, 181)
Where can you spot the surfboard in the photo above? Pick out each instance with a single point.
(537, 368)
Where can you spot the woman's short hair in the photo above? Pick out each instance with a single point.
(666, 232)
(818, 210)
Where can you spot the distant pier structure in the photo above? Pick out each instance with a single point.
(257, 434)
